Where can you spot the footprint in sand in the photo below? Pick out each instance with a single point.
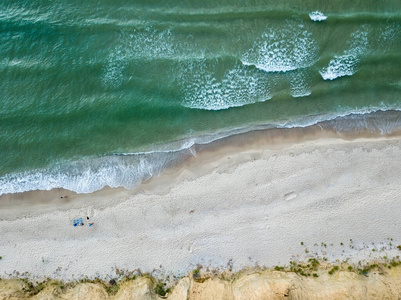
(189, 246)
(290, 196)
(90, 211)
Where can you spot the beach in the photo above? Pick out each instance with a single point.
(263, 198)
(200, 149)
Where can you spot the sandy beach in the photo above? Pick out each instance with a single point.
(258, 199)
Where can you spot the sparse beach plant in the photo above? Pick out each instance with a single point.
(112, 290)
(33, 289)
(112, 287)
(334, 269)
(161, 290)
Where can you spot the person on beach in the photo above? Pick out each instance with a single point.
(63, 197)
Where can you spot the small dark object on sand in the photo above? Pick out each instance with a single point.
(112, 282)
(63, 197)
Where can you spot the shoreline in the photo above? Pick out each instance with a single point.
(201, 160)
(234, 201)
(128, 171)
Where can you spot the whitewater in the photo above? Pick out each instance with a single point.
(111, 94)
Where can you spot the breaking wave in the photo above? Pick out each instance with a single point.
(346, 64)
(283, 50)
(317, 16)
(129, 170)
(237, 87)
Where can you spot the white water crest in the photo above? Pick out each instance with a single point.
(346, 64)
(298, 83)
(89, 175)
(390, 36)
(238, 86)
(317, 16)
(283, 50)
(146, 44)
(129, 170)
(342, 65)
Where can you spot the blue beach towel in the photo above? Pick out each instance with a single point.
(78, 222)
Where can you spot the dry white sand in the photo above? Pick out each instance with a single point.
(254, 205)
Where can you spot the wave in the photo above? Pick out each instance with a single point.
(128, 170)
(28, 63)
(290, 50)
(384, 122)
(340, 66)
(317, 16)
(89, 175)
(239, 86)
(147, 44)
(381, 119)
(298, 83)
(283, 50)
(346, 64)
(390, 35)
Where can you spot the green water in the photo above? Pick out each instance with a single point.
(85, 81)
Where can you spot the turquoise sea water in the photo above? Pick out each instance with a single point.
(96, 93)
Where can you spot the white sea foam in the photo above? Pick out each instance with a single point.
(126, 170)
(113, 75)
(343, 65)
(277, 51)
(129, 170)
(239, 86)
(352, 119)
(144, 45)
(282, 50)
(390, 35)
(298, 83)
(346, 64)
(386, 123)
(317, 16)
(88, 175)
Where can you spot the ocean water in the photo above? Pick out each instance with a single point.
(108, 93)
